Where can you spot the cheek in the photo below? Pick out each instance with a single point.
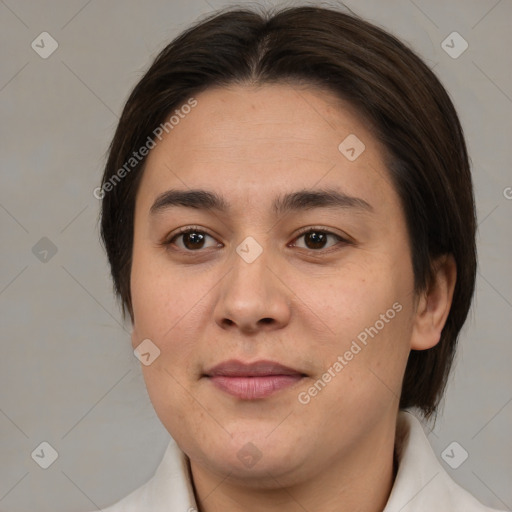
(368, 310)
(353, 297)
(167, 301)
(173, 403)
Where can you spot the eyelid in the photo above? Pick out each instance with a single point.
(328, 231)
(184, 230)
(343, 240)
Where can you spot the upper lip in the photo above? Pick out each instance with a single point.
(235, 368)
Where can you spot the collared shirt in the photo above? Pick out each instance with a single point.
(421, 483)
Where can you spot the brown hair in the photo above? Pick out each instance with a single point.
(410, 111)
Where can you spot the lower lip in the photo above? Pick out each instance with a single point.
(252, 388)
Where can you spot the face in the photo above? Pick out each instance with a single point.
(298, 282)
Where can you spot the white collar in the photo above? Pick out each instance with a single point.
(421, 483)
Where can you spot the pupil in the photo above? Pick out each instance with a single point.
(196, 238)
(317, 238)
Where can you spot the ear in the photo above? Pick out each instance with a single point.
(433, 305)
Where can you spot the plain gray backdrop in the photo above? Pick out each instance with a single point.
(68, 376)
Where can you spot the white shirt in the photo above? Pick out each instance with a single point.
(421, 483)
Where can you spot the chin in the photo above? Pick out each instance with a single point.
(256, 454)
(270, 471)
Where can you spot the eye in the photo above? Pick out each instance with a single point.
(315, 239)
(192, 239)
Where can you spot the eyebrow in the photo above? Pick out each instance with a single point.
(285, 203)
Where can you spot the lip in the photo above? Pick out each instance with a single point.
(251, 381)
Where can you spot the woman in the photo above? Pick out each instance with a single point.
(288, 213)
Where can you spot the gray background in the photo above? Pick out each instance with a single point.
(67, 372)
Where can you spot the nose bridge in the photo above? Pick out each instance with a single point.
(251, 294)
(250, 268)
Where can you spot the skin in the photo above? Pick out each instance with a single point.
(298, 303)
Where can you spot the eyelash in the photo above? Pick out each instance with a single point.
(196, 229)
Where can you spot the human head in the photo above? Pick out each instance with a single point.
(391, 89)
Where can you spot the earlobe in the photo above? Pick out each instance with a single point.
(434, 305)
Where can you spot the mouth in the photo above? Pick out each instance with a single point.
(251, 381)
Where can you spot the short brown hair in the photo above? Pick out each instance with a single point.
(410, 111)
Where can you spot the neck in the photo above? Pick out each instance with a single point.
(359, 480)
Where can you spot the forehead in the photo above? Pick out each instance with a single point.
(250, 142)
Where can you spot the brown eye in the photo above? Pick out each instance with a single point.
(192, 239)
(316, 239)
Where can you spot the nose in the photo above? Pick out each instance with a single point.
(252, 297)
